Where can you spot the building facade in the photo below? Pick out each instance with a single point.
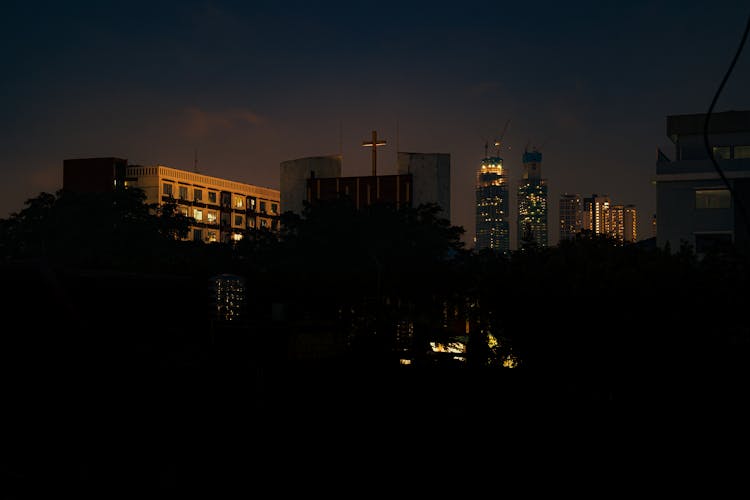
(294, 175)
(623, 223)
(694, 205)
(431, 176)
(571, 216)
(597, 214)
(222, 210)
(532, 201)
(492, 215)
(363, 190)
(420, 178)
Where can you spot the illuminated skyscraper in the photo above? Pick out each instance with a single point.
(492, 228)
(571, 216)
(597, 214)
(532, 201)
(623, 223)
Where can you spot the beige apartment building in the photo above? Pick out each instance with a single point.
(223, 210)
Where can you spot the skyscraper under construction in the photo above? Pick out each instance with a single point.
(492, 228)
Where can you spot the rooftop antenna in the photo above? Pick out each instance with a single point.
(341, 144)
(397, 149)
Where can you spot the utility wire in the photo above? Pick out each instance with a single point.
(737, 201)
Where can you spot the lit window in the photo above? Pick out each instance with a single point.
(239, 202)
(211, 217)
(721, 152)
(197, 214)
(712, 198)
(741, 152)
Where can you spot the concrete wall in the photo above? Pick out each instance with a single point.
(431, 176)
(294, 175)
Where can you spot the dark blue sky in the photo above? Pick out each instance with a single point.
(251, 84)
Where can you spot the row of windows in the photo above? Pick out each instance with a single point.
(712, 198)
(731, 152)
(227, 199)
(212, 235)
(236, 220)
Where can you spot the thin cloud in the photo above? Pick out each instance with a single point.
(201, 123)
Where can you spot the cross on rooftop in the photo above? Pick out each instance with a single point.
(374, 143)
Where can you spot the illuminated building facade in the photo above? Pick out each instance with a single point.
(492, 227)
(222, 210)
(571, 216)
(623, 223)
(228, 298)
(532, 201)
(597, 214)
(693, 203)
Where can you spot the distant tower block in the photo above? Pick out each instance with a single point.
(532, 201)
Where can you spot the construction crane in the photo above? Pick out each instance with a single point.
(497, 142)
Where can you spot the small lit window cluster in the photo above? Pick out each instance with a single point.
(229, 297)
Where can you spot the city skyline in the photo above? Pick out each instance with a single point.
(234, 91)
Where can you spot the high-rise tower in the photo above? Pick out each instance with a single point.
(571, 216)
(532, 202)
(492, 228)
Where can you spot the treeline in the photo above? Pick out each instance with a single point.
(394, 282)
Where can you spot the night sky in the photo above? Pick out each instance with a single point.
(250, 84)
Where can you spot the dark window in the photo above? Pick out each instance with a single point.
(705, 243)
(226, 199)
